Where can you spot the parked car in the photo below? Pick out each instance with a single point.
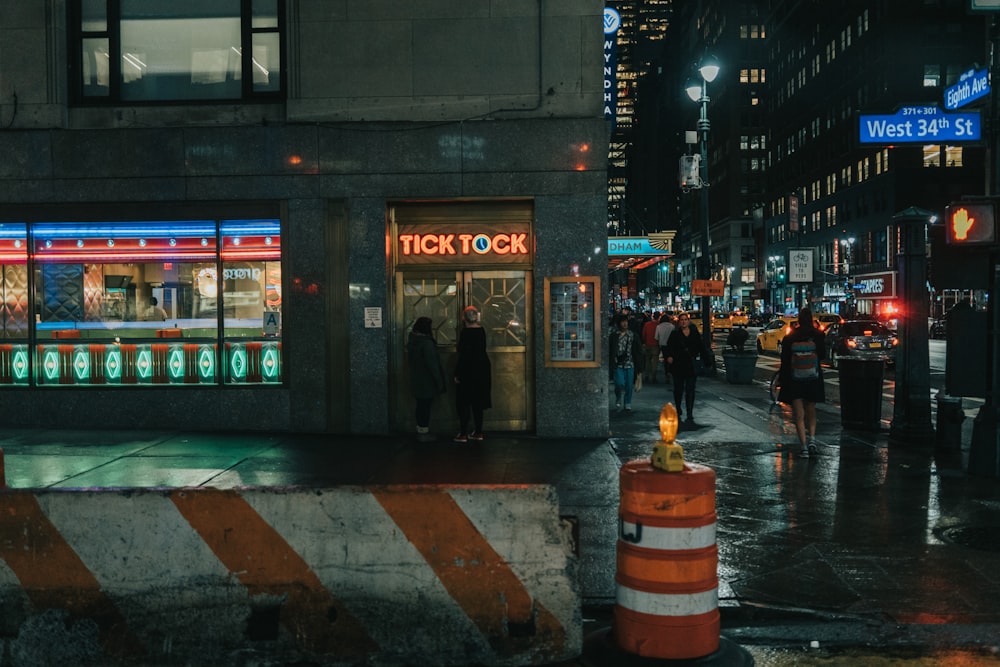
(770, 337)
(825, 320)
(860, 339)
(722, 321)
(739, 318)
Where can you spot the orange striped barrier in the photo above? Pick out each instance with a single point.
(667, 584)
(430, 575)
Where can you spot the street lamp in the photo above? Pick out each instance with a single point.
(773, 259)
(698, 92)
(729, 279)
(848, 245)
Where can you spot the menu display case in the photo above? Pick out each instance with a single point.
(572, 322)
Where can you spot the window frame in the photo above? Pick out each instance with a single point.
(75, 36)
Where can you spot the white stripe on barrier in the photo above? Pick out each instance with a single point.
(668, 539)
(664, 604)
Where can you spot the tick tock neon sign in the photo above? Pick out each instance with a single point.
(463, 244)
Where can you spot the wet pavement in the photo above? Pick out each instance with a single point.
(865, 546)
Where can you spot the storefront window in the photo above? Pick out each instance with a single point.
(138, 303)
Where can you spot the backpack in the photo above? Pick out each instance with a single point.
(805, 363)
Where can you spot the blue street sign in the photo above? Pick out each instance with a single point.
(919, 125)
(970, 87)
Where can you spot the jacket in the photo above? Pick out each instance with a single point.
(426, 374)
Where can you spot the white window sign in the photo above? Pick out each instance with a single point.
(272, 323)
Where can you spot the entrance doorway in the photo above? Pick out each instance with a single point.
(504, 301)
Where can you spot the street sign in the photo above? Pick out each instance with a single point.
(970, 87)
(919, 124)
(800, 263)
(707, 288)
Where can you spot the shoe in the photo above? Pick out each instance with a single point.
(689, 420)
(628, 408)
(813, 449)
(618, 405)
(461, 437)
(804, 452)
(478, 435)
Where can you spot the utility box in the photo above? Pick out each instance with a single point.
(965, 365)
(689, 173)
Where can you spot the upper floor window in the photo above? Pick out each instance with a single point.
(155, 51)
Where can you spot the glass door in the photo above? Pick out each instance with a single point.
(503, 298)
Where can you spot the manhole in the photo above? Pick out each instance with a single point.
(985, 538)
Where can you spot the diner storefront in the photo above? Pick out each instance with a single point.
(141, 303)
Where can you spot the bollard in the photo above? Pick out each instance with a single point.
(666, 605)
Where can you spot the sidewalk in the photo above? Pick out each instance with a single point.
(864, 544)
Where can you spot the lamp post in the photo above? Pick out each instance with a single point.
(848, 245)
(698, 92)
(773, 259)
(729, 279)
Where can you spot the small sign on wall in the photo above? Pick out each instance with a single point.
(373, 318)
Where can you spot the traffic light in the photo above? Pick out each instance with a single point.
(970, 224)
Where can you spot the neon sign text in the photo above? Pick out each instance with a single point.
(464, 244)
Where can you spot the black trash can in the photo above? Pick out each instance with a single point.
(950, 416)
(861, 393)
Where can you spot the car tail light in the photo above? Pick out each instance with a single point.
(894, 342)
(850, 342)
(788, 329)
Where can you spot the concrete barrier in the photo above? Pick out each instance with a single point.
(443, 575)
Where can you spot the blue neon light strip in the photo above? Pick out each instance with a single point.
(75, 230)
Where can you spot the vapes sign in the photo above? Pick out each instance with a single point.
(463, 244)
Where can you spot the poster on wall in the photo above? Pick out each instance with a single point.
(572, 323)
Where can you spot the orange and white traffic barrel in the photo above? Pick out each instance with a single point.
(667, 603)
(667, 584)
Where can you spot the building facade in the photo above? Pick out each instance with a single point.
(831, 65)
(295, 182)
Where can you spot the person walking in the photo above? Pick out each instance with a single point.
(626, 356)
(802, 378)
(650, 348)
(472, 377)
(426, 374)
(663, 331)
(684, 350)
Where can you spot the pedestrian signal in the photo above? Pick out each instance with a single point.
(970, 224)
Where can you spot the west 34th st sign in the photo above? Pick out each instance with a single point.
(919, 124)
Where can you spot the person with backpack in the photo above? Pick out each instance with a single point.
(802, 378)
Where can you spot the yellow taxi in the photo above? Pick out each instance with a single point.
(739, 318)
(824, 321)
(722, 321)
(696, 321)
(770, 337)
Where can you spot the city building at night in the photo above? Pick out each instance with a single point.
(229, 214)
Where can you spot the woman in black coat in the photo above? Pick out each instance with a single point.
(684, 350)
(426, 374)
(473, 377)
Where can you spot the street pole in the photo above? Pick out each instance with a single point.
(703, 127)
(911, 413)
